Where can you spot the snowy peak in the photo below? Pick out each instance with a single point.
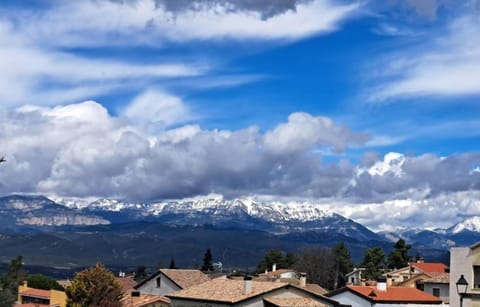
(470, 224)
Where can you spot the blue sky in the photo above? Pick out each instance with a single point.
(287, 100)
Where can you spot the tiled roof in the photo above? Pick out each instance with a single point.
(293, 302)
(144, 300)
(225, 290)
(438, 278)
(429, 267)
(127, 283)
(31, 292)
(185, 278)
(395, 294)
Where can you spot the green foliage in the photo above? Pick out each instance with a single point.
(172, 264)
(10, 281)
(274, 257)
(94, 287)
(373, 262)
(207, 261)
(318, 262)
(140, 273)
(39, 281)
(399, 257)
(343, 264)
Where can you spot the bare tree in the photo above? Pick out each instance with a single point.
(319, 264)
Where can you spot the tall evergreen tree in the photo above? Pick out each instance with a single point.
(10, 281)
(399, 257)
(272, 257)
(343, 264)
(172, 264)
(207, 261)
(373, 262)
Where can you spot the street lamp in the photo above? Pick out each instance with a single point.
(462, 286)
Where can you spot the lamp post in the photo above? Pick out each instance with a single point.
(462, 286)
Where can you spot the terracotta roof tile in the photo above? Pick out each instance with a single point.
(226, 290)
(395, 294)
(438, 278)
(143, 300)
(127, 283)
(36, 293)
(293, 302)
(430, 267)
(185, 278)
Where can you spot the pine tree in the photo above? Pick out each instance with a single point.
(399, 257)
(172, 264)
(343, 264)
(373, 262)
(207, 261)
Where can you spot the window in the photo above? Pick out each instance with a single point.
(436, 292)
(159, 282)
(476, 276)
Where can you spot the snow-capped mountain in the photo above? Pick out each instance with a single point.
(469, 224)
(18, 210)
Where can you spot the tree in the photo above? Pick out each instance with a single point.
(399, 258)
(95, 287)
(272, 257)
(207, 261)
(39, 281)
(10, 281)
(318, 263)
(172, 264)
(373, 262)
(343, 264)
(140, 273)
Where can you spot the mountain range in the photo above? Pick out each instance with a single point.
(79, 231)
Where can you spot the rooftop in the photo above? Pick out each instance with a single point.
(185, 278)
(430, 267)
(293, 302)
(31, 292)
(144, 300)
(226, 290)
(392, 294)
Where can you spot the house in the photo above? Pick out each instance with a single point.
(27, 295)
(229, 292)
(465, 261)
(383, 296)
(413, 269)
(355, 277)
(438, 284)
(166, 281)
(275, 274)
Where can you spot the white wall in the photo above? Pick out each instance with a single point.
(166, 286)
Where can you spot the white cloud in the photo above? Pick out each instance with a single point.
(303, 132)
(448, 65)
(157, 109)
(145, 22)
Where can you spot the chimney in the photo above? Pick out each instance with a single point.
(303, 279)
(266, 271)
(247, 284)
(274, 267)
(25, 283)
(382, 284)
(420, 260)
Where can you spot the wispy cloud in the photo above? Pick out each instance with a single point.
(447, 65)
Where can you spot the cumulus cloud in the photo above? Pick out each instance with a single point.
(303, 131)
(82, 150)
(157, 109)
(447, 65)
